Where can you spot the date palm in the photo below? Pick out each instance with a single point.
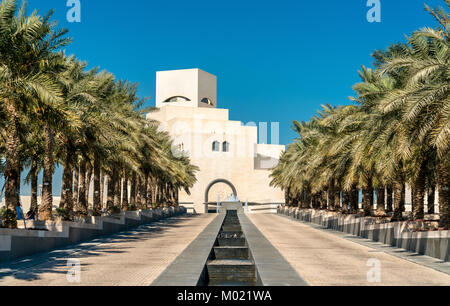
(397, 132)
(54, 110)
(424, 102)
(26, 46)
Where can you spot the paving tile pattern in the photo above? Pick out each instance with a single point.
(324, 259)
(133, 258)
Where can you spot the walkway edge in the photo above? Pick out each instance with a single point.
(273, 269)
(187, 269)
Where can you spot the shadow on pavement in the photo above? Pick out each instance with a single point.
(56, 261)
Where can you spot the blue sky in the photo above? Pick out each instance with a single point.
(276, 61)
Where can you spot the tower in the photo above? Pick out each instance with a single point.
(187, 87)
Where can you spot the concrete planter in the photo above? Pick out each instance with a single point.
(397, 234)
(55, 234)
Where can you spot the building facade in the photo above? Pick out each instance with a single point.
(232, 163)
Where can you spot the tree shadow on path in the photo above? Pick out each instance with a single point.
(56, 261)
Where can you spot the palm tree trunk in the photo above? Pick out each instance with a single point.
(418, 195)
(158, 195)
(368, 199)
(389, 207)
(403, 197)
(67, 188)
(289, 203)
(45, 211)
(110, 194)
(161, 194)
(398, 199)
(145, 191)
(316, 201)
(300, 200)
(133, 189)
(169, 193)
(154, 190)
(64, 185)
(102, 189)
(149, 192)
(139, 193)
(305, 200)
(431, 200)
(337, 199)
(88, 184)
(443, 180)
(295, 199)
(309, 200)
(331, 197)
(346, 201)
(97, 200)
(12, 169)
(116, 183)
(354, 199)
(381, 203)
(76, 186)
(18, 189)
(125, 205)
(165, 195)
(174, 196)
(119, 191)
(34, 191)
(82, 208)
(142, 190)
(324, 199)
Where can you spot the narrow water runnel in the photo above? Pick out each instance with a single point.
(230, 262)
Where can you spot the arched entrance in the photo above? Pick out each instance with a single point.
(217, 182)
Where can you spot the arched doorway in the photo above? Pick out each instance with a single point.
(218, 182)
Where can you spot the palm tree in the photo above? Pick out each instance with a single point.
(55, 111)
(396, 134)
(26, 49)
(423, 102)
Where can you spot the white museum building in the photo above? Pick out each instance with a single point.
(232, 163)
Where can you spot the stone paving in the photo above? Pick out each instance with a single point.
(324, 259)
(133, 258)
(138, 257)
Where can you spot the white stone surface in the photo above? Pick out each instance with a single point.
(194, 127)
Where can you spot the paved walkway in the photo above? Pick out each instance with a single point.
(324, 259)
(137, 258)
(133, 258)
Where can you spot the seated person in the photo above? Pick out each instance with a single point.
(31, 215)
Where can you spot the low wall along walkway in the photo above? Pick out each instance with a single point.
(397, 234)
(19, 243)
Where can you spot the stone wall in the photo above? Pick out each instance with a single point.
(397, 234)
(50, 235)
